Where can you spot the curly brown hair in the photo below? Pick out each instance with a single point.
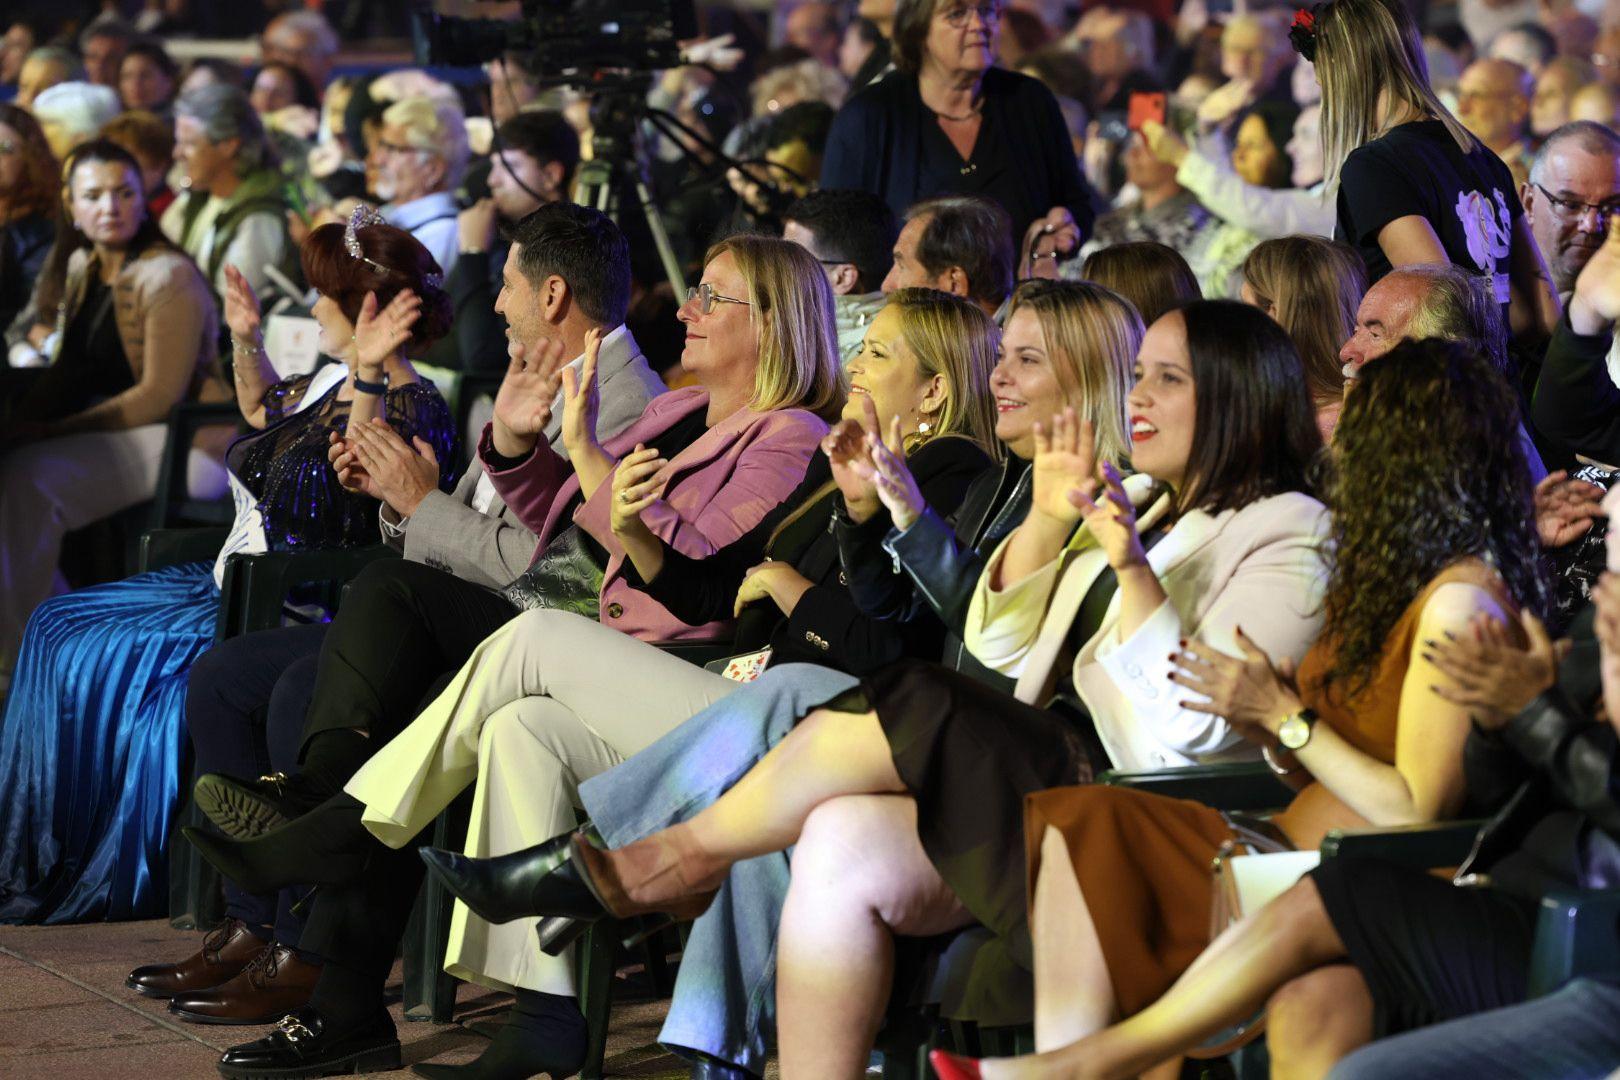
(1429, 469)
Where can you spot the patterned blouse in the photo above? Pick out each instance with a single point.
(286, 468)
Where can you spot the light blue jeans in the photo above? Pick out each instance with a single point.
(725, 994)
(1573, 1034)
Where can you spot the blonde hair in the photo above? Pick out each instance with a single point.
(806, 80)
(435, 126)
(1365, 49)
(1313, 286)
(1092, 337)
(791, 304)
(953, 337)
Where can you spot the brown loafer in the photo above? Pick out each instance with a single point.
(227, 949)
(276, 983)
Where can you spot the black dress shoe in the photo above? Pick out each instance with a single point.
(541, 880)
(327, 846)
(301, 1046)
(244, 809)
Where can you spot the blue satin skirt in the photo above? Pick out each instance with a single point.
(91, 747)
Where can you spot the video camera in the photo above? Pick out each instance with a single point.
(559, 39)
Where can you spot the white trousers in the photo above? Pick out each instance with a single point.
(548, 701)
(51, 487)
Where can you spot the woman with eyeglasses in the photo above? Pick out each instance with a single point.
(701, 468)
(949, 122)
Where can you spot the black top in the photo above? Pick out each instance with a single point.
(24, 244)
(285, 467)
(91, 364)
(1576, 404)
(1418, 168)
(826, 627)
(885, 140)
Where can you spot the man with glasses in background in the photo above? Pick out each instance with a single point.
(419, 158)
(851, 234)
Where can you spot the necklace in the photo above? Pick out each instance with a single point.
(978, 107)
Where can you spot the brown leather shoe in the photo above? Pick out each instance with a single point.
(276, 983)
(227, 949)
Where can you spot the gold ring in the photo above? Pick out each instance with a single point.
(624, 496)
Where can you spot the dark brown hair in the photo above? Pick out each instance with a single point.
(1254, 432)
(1428, 469)
(38, 192)
(1150, 275)
(142, 133)
(334, 273)
(910, 35)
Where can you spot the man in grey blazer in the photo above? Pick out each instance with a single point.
(569, 272)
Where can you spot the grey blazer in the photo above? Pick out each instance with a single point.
(494, 548)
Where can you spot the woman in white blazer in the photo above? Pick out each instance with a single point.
(1223, 431)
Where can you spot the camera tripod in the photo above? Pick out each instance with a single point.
(619, 160)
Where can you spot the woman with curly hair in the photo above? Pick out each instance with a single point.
(1367, 730)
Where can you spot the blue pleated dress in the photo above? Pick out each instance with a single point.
(93, 734)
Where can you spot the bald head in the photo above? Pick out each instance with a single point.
(1439, 301)
(1598, 103)
(1493, 101)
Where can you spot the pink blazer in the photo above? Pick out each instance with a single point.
(720, 487)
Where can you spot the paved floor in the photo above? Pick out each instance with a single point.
(65, 1014)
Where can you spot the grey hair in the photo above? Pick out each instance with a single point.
(61, 55)
(1458, 307)
(1589, 135)
(315, 25)
(226, 113)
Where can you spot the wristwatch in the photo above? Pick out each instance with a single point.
(1295, 730)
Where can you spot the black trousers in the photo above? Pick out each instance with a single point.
(246, 703)
(403, 627)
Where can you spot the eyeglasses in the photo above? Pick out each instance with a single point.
(1569, 208)
(707, 297)
(989, 14)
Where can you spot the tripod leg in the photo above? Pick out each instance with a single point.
(660, 235)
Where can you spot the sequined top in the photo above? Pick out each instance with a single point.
(286, 469)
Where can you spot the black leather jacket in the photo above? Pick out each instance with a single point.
(935, 564)
(1555, 774)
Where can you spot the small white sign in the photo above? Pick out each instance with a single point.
(292, 343)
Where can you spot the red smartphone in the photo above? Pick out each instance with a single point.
(1144, 107)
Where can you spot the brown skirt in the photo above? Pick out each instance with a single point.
(1144, 866)
(969, 754)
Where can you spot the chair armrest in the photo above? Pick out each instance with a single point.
(699, 653)
(171, 547)
(256, 586)
(1577, 933)
(1424, 847)
(1240, 785)
(185, 420)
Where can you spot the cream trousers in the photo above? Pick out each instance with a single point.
(544, 703)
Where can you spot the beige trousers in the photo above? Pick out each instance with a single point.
(549, 700)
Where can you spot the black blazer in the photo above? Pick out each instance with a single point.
(885, 140)
(826, 626)
(1554, 774)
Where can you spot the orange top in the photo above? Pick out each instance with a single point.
(1368, 720)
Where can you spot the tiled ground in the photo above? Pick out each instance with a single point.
(65, 1014)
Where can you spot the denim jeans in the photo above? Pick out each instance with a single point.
(725, 994)
(1573, 1034)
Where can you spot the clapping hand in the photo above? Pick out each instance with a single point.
(1065, 464)
(582, 398)
(1048, 239)
(1247, 690)
(845, 447)
(1595, 307)
(523, 402)
(1489, 675)
(636, 486)
(1565, 508)
(241, 307)
(379, 335)
(399, 474)
(887, 470)
(1606, 627)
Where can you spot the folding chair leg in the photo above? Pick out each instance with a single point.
(597, 952)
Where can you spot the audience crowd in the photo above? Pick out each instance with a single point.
(964, 507)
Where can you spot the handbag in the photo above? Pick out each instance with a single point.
(1245, 881)
(566, 577)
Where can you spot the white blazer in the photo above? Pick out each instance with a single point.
(1261, 567)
